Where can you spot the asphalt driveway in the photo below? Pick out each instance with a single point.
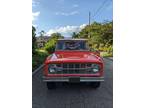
(74, 95)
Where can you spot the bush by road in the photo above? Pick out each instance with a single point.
(38, 58)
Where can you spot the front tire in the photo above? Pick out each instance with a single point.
(51, 85)
(95, 84)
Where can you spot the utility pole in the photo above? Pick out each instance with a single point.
(89, 24)
(89, 18)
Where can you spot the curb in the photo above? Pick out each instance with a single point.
(35, 71)
(108, 58)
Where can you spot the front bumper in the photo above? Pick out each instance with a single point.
(67, 79)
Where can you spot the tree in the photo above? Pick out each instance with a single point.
(50, 45)
(33, 40)
(56, 36)
(74, 35)
(42, 33)
(101, 35)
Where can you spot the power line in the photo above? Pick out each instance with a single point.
(104, 2)
(103, 9)
(102, 6)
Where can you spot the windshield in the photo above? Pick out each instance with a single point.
(71, 45)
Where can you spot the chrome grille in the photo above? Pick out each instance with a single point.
(74, 68)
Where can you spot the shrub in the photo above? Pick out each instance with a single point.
(38, 58)
(50, 45)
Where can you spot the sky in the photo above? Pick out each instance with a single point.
(68, 16)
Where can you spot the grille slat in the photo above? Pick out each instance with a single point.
(74, 66)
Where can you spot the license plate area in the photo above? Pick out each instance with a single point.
(74, 79)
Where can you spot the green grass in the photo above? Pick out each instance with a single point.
(38, 58)
(106, 54)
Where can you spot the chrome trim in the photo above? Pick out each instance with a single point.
(66, 79)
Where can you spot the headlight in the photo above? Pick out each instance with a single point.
(95, 68)
(52, 68)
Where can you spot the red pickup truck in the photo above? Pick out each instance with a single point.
(73, 62)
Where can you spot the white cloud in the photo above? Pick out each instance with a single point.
(75, 5)
(34, 25)
(66, 30)
(35, 15)
(67, 14)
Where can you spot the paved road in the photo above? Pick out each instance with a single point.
(74, 95)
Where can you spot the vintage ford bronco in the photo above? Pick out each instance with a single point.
(73, 62)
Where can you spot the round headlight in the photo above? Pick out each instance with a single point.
(52, 70)
(95, 68)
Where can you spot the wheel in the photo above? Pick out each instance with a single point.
(95, 84)
(51, 85)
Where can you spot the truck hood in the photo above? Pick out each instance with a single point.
(74, 56)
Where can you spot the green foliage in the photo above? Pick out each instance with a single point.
(74, 35)
(56, 36)
(39, 55)
(99, 35)
(33, 40)
(38, 58)
(106, 54)
(42, 33)
(50, 45)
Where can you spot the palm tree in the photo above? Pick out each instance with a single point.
(42, 33)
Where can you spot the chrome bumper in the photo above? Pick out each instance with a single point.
(66, 79)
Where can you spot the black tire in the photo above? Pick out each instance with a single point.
(95, 84)
(51, 85)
